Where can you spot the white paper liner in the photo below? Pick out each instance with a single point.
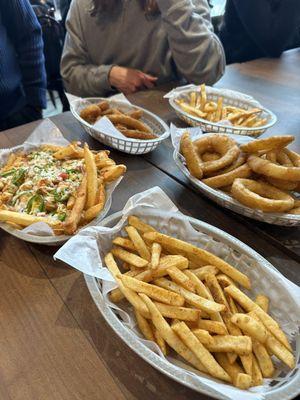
(86, 251)
(219, 196)
(48, 133)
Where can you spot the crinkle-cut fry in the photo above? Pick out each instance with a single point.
(130, 295)
(203, 271)
(112, 172)
(129, 122)
(210, 258)
(266, 319)
(139, 224)
(71, 222)
(193, 343)
(215, 327)
(131, 258)
(150, 274)
(160, 342)
(95, 210)
(138, 241)
(157, 293)
(191, 298)
(191, 156)
(181, 313)
(169, 336)
(237, 375)
(144, 326)
(179, 277)
(263, 358)
(124, 242)
(155, 255)
(203, 336)
(262, 301)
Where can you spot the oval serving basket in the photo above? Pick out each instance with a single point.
(228, 100)
(285, 386)
(226, 201)
(126, 145)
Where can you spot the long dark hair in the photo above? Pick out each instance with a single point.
(113, 7)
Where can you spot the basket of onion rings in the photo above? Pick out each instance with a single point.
(259, 179)
(221, 110)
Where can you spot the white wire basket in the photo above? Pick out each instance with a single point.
(126, 145)
(230, 98)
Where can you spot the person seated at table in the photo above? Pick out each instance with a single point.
(259, 28)
(22, 68)
(132, 45)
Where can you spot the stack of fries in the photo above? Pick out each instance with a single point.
(189, 300)
(129, 124)
(197, 105)
(62, 186)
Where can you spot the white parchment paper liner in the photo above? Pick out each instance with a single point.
(48, 133)
(221, 197)
(86, 250)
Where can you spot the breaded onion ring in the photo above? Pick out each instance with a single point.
(237, 163)
(281, 184)
(188, 150)
(221, 144)
(209, 156)
(265, 145)
(227, 179)
(262, 196)
(266, 167)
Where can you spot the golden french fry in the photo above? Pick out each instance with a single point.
(263, 358)
(193, 343)
(219, 109)
(224, 280)
(203, 271)
(176, 312)
(193, 99)
(112, 173)
(241, 345)
(130, 258)
(280, 351)
(250, 327)
(210, 258)
(155, 255)
(91, 171)
(66, 152)
(216, 290)
(203, 96)
(200, 288)
(74, 217)
(144, 326)
(257, 378)
(191, 110)
(103, 163)
(95, 210)
(169, 336)
(203, 336)
(138, 242)
(71, 202)
(191, 156)
(239, 379)
(263, 302)
(130, 295)
(179, 277)
(191, 298)
(212, 326)
(124, 242)
(139, 225)
(26, 219)
(157, 293)
(160, 341)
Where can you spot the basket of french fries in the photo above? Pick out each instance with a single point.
(221, 110)
(50, 188)
(257, 178)
(120, 125)
(191, 300)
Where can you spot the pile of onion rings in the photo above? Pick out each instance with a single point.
(262, 174)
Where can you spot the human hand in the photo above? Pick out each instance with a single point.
(128, 80)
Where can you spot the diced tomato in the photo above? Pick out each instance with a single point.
(63, 175)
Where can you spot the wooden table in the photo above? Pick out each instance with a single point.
(54, 344)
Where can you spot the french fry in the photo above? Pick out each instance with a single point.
(263, 302)
(124, 242)
(219, 109)
(144, 326)
(169, 336)
(155, 255)
(160, 342)
(212, 326)
(66, 152)
(25, 219)
(200, 288)
(280, 351)
(191, 110)
(192, 342)
(176, 312)
(157, 293)
(138, 242)
(130, 258)
(211, 259)
(193, 99)
(216, 290)
(179, 277)
(74, 217)
(91, 171)
(203, 271)
(263, 358)
(203, 336)
(203, 96)
(224, 280)
(130, 295)
(112, 172)
(241, 345)
(95, 210)
(257, 378)
(191, 298)
(191, 156)
(239, 379)
(250, 327)
(140, 225)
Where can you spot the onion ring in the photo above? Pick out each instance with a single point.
(228, 178)
(262, 196)
(295, 211)
(188, 150)
(281, 184)
(266, 167)
(221, 144)
(209, 156)
(242, 158)
(265, 145)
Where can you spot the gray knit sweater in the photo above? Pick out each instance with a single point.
(177, 44)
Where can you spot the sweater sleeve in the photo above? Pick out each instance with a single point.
(25, 33)
(81, 76)
(271, 26)
(196, 50)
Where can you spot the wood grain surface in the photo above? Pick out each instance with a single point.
(54, 344)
